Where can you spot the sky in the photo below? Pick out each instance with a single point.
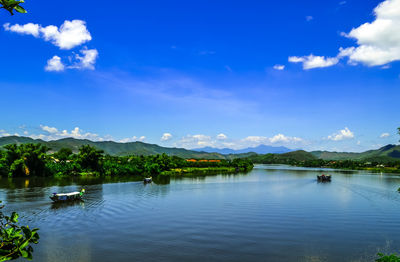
(315, 75)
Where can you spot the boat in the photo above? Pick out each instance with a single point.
(147, 180)
(73, 196)
(324, 178)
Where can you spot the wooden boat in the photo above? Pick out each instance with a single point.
(147, 180)
(324, 178)
(67, 196)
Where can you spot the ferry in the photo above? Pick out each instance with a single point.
(324, 178)
(67, 196)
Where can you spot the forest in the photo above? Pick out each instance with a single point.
(34, 160)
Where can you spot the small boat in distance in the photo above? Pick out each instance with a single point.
(67, 196)
(324, 178)
(147, 180)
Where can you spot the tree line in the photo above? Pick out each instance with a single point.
(27, 160)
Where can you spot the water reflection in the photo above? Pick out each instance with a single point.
(257, 216)
(66, 204)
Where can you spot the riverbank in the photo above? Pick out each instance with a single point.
(391, 170)
(202, 171)
(32, 160)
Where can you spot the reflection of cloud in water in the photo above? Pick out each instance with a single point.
(344, 195)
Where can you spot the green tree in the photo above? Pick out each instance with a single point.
(3, 164)
(15, 240)
(26, 159)
(89, 158)
(388, 258)
(12, 5)
(63, 154)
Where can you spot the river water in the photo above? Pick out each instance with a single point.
(273, 213)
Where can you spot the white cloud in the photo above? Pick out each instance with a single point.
(279, 67)
(4, 133)
(195, 141)
(222, 141)
(279, 138)
(283, 138)
(384, 135)
(53, 133)
(221, 136)
(312, 61)
(341, 135)
(166, 137)
(27, 29)
(51, 130)
(309, 18)
(86, 61)
(54, 64)
(69, 35)
(378, 41)
(132, 139)
(342, 3)
(129, 139)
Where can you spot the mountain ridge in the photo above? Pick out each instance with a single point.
(261, 149)
(389, 152)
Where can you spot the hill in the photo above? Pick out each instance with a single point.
(383, 154)
(112, 148)
(261, 149)
(386, 153)
(286, 158)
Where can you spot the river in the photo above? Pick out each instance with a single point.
(273, 213)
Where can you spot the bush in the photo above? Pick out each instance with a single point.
(15, 240)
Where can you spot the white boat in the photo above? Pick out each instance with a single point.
(67, 196)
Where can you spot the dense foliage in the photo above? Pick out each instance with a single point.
(12, 5)
(388, 258)
(33, 160)
(15, 240)
(302, 158)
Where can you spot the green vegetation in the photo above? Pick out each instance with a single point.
(197, 171)
(386, 153)
(291, 158)
(306, 159)
(112, 148)
(12, 5)
(385, 159)
(26, 160)
(207, 168)
(15, 240)
(388, 258)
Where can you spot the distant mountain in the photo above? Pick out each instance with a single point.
(386, 153)
(261, 149)
(112, 148)
(286, 158)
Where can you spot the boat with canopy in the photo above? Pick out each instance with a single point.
(67, 196)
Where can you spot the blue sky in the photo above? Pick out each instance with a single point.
(303, 74)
